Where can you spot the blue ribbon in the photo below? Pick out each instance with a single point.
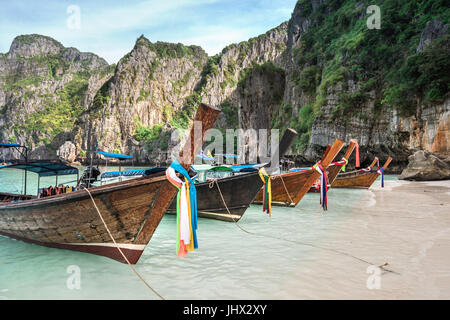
(192, 195)
(382, 177)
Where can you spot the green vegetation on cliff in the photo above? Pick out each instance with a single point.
(339, 46)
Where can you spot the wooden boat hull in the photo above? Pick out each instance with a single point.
(356, 179)
(70, 221)
(359, 178)
(289, 188)
(238, 192)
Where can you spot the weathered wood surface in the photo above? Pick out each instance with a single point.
(132, 209)
(289, 188)
(358, 178)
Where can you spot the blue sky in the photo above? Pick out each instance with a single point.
(110, 28)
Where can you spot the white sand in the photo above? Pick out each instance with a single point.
(407, 225)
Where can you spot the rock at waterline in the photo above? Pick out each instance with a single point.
(424, 166)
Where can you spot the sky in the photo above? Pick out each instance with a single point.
(110, 28)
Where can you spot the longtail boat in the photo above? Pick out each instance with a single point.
(362, 178)
(289, 188)
(228, 198)
(335, 167)
(131, 209)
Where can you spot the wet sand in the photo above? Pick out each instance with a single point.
(407, 226)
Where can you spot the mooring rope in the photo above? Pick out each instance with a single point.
(285, 188)
(293, 241)
(118, 248)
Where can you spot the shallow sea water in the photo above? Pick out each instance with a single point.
(315, 256)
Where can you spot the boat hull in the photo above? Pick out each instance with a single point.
(355, 179)
(289, 188)
(237, 191)
(131, 209)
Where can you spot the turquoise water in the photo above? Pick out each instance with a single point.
(229, 264)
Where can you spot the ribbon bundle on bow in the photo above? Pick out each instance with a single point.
(381, 171)
(323, 184)
(342, 163)
(186, 209)
(267, 192)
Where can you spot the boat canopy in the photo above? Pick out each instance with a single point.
(9, 145)
(44, 168)
(132, 173)
(245, 167)
(113, 155)
(220, 168)
(298, 169)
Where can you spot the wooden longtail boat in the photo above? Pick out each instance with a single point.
(238, 191)
(334, 168)
(290, 187)
(132, 210)
(363, 178)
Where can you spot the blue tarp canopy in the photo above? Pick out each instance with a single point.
(298, 169)
(126, 173)
(132, 173)
(113, 155)
(245, 168)
(9, 145)
(44, 168)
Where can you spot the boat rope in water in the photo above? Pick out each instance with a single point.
(382, 266)
(118, 248)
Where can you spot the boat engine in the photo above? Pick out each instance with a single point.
(89, 176)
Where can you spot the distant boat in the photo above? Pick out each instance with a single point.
(132, 209)
(362, 178)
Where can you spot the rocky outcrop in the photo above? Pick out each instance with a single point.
(43, 88)
(424, 166)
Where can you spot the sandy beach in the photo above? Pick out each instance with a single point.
(407, 226)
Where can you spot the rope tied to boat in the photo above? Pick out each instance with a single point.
(323, 184)
(186, 209)
(285, 189)
(267, 191)
(118, 248)
(381, 172)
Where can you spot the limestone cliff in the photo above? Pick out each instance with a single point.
(323, 72)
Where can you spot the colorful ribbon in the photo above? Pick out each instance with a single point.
(267, 191)
(323, 184)
(381, 171)
(186, 209)
(342, 163)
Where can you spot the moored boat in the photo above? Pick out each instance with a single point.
(362, 178)
(288, 188)
(228, 198)
(131, 210)
(335, 167)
